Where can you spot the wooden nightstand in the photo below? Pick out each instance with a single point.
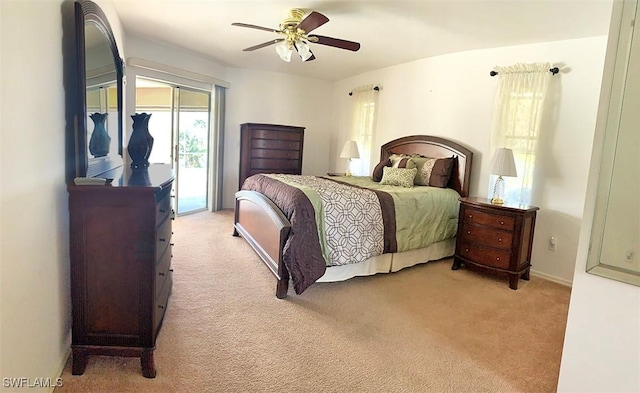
(495, 237)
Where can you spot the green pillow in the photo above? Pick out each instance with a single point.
(398, 176)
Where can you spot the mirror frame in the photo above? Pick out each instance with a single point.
(79, 163)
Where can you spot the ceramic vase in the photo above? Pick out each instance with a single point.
(140, 142)
(100, 140)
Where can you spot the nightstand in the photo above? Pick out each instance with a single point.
(496, 238)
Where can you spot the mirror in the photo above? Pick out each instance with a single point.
(94, 84)
(615, 234)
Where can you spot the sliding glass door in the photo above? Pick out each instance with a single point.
(180, 125)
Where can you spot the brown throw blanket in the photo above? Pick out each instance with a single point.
(302, 254)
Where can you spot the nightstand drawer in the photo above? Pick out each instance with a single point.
(487, 236)
(493, 220)
(486, 256)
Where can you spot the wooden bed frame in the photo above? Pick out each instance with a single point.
(263, 225)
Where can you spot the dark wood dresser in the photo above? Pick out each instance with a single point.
(270, 148)
(120, 236)
(495, 237)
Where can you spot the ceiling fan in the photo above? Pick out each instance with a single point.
(295, 35)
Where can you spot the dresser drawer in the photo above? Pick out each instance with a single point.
(275, 144)
(163, 237)
(487, 236)
(161, 304)
(163, 208)
(274, 165)
(162, 270)
(290, 136)
(264, 134)
(492, 220)
(266, 153)
(487, 256)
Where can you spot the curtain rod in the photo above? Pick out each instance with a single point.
(553, 70)
(376, 88)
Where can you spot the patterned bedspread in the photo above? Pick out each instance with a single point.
(335, 223)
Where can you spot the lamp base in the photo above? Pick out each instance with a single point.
(497, 201)
(498, 192)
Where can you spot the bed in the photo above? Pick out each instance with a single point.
(286, 237)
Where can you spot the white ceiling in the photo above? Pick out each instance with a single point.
(390, 32)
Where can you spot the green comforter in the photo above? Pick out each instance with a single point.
(424, 215)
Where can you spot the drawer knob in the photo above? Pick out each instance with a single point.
(468, 232)
(159, 306)
(501, 222)
(466, 250)
(162, 211)
(161, 239)
(470, 215)
(497, 258)
(500, 240)
(161, 274)
(171, 270)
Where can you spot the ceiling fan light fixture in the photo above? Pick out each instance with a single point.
(303, 49)
(284, 50)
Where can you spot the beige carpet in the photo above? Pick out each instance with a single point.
(423, 329)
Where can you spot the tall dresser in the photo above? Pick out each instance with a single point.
(120, 236)
(270, 148)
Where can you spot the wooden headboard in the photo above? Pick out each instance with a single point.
(435, 147)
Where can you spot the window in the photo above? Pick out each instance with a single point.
(518, 106)
(363, 126)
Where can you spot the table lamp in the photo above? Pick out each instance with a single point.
(349, 151)
(503, 164)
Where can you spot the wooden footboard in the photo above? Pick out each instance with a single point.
(261, 223)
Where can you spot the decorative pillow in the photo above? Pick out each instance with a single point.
(441, 172)
(424, 165)
(396, 158)
(377, 171)
(398, 176)
(406, 162)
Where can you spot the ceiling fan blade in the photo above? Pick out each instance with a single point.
(255, 27)
(312, 21)
(335, 42)
(271, 42)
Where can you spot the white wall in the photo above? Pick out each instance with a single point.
(275, 98)
(35, 298)
(452, 96)
(601, 350)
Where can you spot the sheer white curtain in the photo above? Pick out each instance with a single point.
(363, 120)
(517, 115)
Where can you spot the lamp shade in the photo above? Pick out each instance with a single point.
(503, 163)
(284, 51)
(350, 150)
(303, 49)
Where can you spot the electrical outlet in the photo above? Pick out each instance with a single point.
(552, 243)
(629, 256)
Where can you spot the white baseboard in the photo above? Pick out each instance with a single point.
(63, 360)
(555, 279)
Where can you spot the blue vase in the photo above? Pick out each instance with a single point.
(100, 140)
(140, 142)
